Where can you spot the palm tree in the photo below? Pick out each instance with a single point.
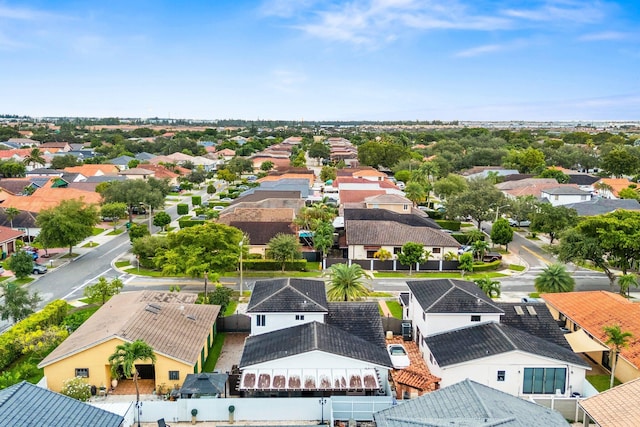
(553, 279)
(626, 281)
(617, 340)
(488, 286)
(34, 157)
(11, 213)
(479, 248)
(125, 357)
(346, 283)
(415, 192)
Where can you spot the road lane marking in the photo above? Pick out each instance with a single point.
(536, 255)
(111, 250)
(85, 284)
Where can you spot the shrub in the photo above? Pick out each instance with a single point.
(486, 266)
(254, 256)
(188, 222)
(76, 388)
(196, 200)
(272, 265)
(183, 209)
(449, 225)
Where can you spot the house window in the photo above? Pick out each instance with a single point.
(501, 375)
(396, 251)
(556, 197)
(261, 320)
(299, 316)
(475, 318)
(431, 358)
(436, 250)
(174, 375)
(370, 254)
(405, 207)
(82, 372)
(544, 380)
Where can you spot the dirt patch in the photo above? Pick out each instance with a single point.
(231, 351)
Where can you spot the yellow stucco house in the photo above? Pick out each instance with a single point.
(179, 331)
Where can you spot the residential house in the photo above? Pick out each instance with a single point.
(391, 202)
(122, 162)
(614, 407)
(297, 348)
(205, 163)
(144, 156)
(530, 187)
(92, 182)
(25, 142)
(26, 404)
(162, 172)
(44, 172)
(260, 224)
(61, 146)
(8, 237)
(609, 188)
(564, 195)
(179, 331)
(600, 206)
(484, 171)
(586, 314)
(137, 173)
(468, 403)
(25, 222)
(505, 358)
(89, 170)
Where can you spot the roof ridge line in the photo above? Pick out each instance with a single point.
(477, 395)
(304, 295)
(443, 295)
(504, 334)
(269, 296)
(477, 297)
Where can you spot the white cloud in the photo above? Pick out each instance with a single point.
(480, 50)
(604, 36)
(566, 11)
(288, 81)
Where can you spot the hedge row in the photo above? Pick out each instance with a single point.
(271, 265)
(196, 200)
(188, 222)
(448, 224)
(183, 209)
(487, 266)
(52, 314)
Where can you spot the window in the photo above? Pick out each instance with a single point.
(405, 207)
(299, 316)
(501, 375)
(261, 320)
(424, 316)
(397, 250)
(475, 318)
(544, 380)
(436, 250)
(370, 254)
(82, 372)
(174, 375)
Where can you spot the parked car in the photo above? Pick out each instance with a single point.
(491, 257)
(226, 199)
(218, 208)
(34, 254)
(138, 210)
(39, 268)
(464, 248)
(400, 185)
(514, 223)
(399, 356)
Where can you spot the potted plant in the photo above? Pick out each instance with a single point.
(194, 412)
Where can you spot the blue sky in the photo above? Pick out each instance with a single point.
(322, 60)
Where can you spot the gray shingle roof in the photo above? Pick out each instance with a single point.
(451, 296)
(488, 339)
(389, 233)
(565, 191)
(468, 404)
(534, 319)
(387, 215)
(28, 405)
(260, 233)
(288, 296)
(309, 337)
(361, 319)
(598, 206)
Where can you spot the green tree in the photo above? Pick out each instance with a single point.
(522, 208)
(617, 340)
(319, 150)
(123, 361)
(553, 220)
(465, 263)
(133, 163)
(76, 388)
(328, 173)
(226, 175)
(310, 217)
(137, 231)
(323, 237)
(284, 247)
(620, 161)
(67, 224)
(530, 160)
(629, 193)
(18, 303)
(489, 286)
(626, 282)
(211, 189)
(415, 192)
(479, 248)
(412, 253)
(238, 165)
(449, 186)
(134, 192)
(553, 279)
(12, 169)
(346, 283)
(21, 263)
(161, 219)
(299, 161)
(116, 211)
(11, 214)
(34, 158)
(209, 247)
(556, 174)
(146, 247)
(502, 233)
(103, 290)
(383, 255)
(403, 175)
(221, 296)
(478, 201)
(267, 166)
(381, 154)
(66, 161)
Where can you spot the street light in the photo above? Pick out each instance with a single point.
(498, 210)
(206, 277)
(322, 402)
(241, 243)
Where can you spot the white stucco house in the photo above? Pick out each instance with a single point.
(565, 195)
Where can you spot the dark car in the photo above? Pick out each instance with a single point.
(138, 210)
(491, 257)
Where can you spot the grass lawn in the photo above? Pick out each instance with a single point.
(379, 294)
(145, 272)
(271, 274)
(516, 267)
(67, 255)
(534, 295)
(3, 278)
(23, 281)
(601, 382)
(96, 231)
(395, 308)
(214, 353)
(231, 308)
(115, 232)
(121, 264)
(468, 276)
(90, 245)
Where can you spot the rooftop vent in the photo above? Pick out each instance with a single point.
(152, 309)
(191, 317)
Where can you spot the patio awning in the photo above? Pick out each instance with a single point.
(580, 342)
(309, 379)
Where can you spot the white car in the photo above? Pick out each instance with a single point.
(400, 185)
(399, 356)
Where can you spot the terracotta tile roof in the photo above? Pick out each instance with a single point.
(47, 197)
(350, 180)
(18, 152)
(594, 310)
(8, 234)
(160, 171)
(615, 407)
(535, 190)
(173, 328)
(257, 215)
(308, 176)
(417, 375)
(616, 184)
(93, 170)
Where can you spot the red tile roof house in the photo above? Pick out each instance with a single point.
(8, 237)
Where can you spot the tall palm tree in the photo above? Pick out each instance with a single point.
(479, 248)
(554, 279)
(11, 213)
(125, 357)
(34, 158)
(617, 340)
(346, 283)
(415, 192)
(489, 286)
(626, 281)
